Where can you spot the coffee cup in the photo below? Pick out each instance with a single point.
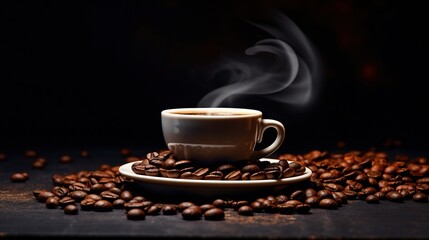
(209, 136)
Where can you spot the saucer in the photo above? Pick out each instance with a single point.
(176, 186)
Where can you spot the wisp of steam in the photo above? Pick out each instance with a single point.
(290, 78)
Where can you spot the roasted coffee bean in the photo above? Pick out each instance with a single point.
(288, 172)
(136, 214)
(126, 195)
(181, 164)
(214, 214)
(169, 163)
(173, 173)
(226, 168)
(237, 204)
(220, 203)
(298, 195)
(206, 207)
(281, 198)
(39, 163)
(200, 173)
(309, 192)
(273, 174)
(284, 163)
(93, 196)
(285, 208)
(103, 206)
(84, 153)
(294, 165)
(153, 210)
(420, 197)
(138, 168)
(342, 196)
(134, 204)
(394, 196)
(52, 202)
(66, 158)
(19, 177)
(109, 196)
(299, 171)
(87, 204)
(245, 210)
(78, 195)
(30, 153)
(258, 176)
(71, 209)
(233, 175)
(169, 210)
(372, 198)
(66, 201)
(60, 191)
(313, 201)
(328, 203)
(251, 168)
(118, 203)
(192, 213)
(303, 208)
(324, 194)
(183, 205)
(43, 195)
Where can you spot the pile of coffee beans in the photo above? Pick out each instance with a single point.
(163, 164)
(369, 176)
(336, 179)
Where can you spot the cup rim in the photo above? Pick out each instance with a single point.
(247, 112)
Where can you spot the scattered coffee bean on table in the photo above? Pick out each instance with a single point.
(336, 179)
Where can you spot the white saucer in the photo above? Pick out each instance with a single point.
(209, 187)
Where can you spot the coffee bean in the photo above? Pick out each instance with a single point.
(233, 175)
(328, 203)
(258, 176)
(206, 207)
(39, 163)
(303, 208)
(219, 203)
(43, 195)
(71, 209)
(183, 205)
(298, 195)
(66, 158)
(153, 210)
(245, 210)
(103, 206)
(372, 198)
(192, 213)
(60, 191)
(87, 204)
(394, 196)
(19, 177)
(420, 197)
(285, 208)
(118, 203)
(214, 214)
(78, 195)
(169, 210)
(136, 214)
(52, 202)
(313, 201)
(66, 201)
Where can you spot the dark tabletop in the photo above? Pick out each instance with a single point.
(22, 215)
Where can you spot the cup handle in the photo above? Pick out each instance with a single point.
(264, 125)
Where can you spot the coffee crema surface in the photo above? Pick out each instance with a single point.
(212, 113)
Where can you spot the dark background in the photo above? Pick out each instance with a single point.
(100, 72)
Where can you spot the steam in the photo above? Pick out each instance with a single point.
(290, 77)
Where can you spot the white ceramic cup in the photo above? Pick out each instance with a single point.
(208, 136)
